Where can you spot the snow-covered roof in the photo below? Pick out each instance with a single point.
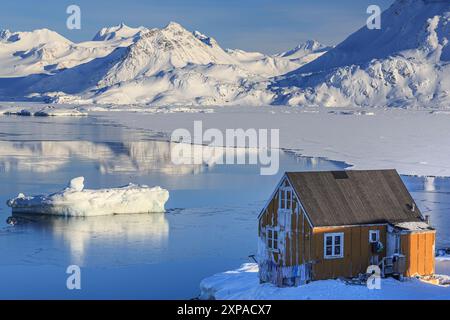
(413, 226)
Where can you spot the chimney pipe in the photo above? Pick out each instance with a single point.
(427, 219)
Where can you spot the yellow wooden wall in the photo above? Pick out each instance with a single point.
(418, 248)
(357, 251)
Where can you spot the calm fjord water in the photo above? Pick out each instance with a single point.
(210, 224)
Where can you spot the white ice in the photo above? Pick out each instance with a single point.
(77, 201)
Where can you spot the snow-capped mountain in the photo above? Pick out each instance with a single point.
(44, 51)
(156, 66)
(119, 32)
(305, 52)
(405, 63)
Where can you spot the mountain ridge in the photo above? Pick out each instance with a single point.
(405, 64)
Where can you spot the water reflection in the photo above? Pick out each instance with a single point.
(109, 232)
(139, 156)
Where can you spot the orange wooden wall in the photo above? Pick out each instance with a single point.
(418, 248)
(357, 252)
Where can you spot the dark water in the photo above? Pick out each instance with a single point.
(210, 225)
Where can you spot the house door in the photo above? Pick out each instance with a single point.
(393, 243)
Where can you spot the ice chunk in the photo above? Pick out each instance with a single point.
(77, 184)
(77, 201)
(52, 111)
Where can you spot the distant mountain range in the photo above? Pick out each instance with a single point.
(404, 64)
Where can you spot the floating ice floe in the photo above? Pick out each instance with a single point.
(77, 201)
(48, 111)
(52, 111)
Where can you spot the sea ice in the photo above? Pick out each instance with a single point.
(77, 201)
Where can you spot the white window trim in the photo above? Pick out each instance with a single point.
(333, 235)
(377, 232)
(286, 189)
(278, 239)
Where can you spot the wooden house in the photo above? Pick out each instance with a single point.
(331, 224)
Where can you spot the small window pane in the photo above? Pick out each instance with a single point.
(329, 251)
(337, 240)
(329, 241)
(337, 251)
(270, 243)
(275, 235)
(275, 244)
(269, 233)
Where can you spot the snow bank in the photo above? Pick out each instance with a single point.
(243, 284)
(77, 201)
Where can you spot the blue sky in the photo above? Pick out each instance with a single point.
(262, 25)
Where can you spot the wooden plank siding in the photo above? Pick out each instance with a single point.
(357, 251)
(297, 239)
(418, 247)
(304, 244)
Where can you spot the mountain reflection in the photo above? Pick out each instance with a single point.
(141, 156)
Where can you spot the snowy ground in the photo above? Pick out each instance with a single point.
(415, 142)
(243, 284)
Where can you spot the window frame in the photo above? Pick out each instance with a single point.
(271, 240)
(333, 236)
(285, 198)
(377, 232)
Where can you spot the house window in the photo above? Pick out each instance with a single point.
(272, 239)
(286, 198)
(333, 245)
(374, 236)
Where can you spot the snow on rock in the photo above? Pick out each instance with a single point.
(121, 31)
(405, 64)
(77, 201)
(243, 284)
(305, 52)
(125, 65)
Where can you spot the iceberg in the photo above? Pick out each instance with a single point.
(74, 200)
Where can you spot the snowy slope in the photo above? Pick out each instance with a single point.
(406, 63)
(137, 65)
(119, 32)
(46, 52)
(305, 52)
(165, 66)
